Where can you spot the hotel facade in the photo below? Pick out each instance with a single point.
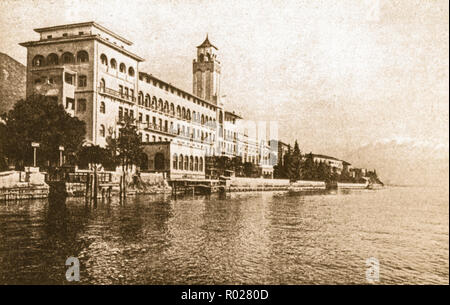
(90, 71)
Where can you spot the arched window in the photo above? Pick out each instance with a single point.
(113, 64)
(82, 56)
(102, 107)
(186, 163)
(183, 113)
(38, 61)
(160, 105)
(191, 163)
(159, 161)
(180, 162)
(220, 117)
(122, 68)
(102, 130)
(175, 161)
(147, 100)
(200, 164)
(52, 59)
(140, 98)
(154, 102)
(194, 116)
(188, 115)
(178, 111)
(201, 57)
(131, 71)
(196, 164)
(172, 109)
(68, 58)
(203, 119)
(102, 85)
(104, 59)
(166, 106)
(144, 162)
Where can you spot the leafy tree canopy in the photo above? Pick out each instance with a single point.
(41, 119)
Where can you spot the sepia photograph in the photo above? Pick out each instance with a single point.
(223, 143)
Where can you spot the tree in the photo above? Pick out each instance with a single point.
(41, 119)
(295, 163)
(251, 170)
(284, 170)
(308, 167)
(92, 156)
(129, 150)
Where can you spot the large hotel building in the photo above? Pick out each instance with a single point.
(88, 69)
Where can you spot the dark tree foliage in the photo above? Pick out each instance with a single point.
(3, 162)
(127, 147)
(220, 164)
(41, 119)
(295, 162)
(93, 155)
(251, 170)
(309, 168)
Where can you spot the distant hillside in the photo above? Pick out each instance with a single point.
(12, 82)
(406, 163)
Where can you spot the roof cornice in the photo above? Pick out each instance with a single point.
(90, 23)
(81, 38)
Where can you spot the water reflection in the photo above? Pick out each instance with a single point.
(239, 238)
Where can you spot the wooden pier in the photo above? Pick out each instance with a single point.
(195, 186)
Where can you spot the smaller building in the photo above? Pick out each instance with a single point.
(175, 161)
(336, 164)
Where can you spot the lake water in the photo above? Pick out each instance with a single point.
(241, 238)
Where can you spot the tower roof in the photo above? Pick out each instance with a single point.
(207, 44)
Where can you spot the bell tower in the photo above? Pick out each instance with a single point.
(206, 72)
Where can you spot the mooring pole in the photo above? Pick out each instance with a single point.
(95, 187)
(86, 195)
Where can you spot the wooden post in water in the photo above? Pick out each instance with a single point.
(95, 195)
(124, 185)
(86, 195)
(120, 188)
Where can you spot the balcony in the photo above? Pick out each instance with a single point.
(171, 132)
(117, 94)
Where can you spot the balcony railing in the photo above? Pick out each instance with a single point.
(117, 94)
(171, 131)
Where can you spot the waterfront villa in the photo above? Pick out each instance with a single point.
(90, 70)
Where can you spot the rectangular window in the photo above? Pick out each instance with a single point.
(120, 113)
(132, 93)
(121, 90)
(68, 78)
(49, 36)
(81, 105)
(64, 34)
(126, 92)
(131, 114)
(82, 81)
(154, 138)
(140, 117)
(70, 103)
(80, 33)
(147, 138)
(147, 118)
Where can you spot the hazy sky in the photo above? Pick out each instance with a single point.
(334, 74)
